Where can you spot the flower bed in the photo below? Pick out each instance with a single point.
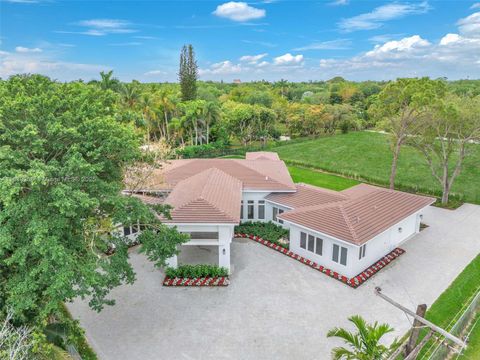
(266, 230)
(206, 281)
(354, 282)
(196, 275)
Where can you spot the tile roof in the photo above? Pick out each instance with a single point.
(366, 213)
(211, 196)
(262, 155)
(254, 174)
(306, 195)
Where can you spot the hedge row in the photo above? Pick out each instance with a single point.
(266, 230)
(196, 271)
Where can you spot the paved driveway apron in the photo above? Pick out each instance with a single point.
(275, 308)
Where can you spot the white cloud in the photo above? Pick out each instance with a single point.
(222, 68)
(252, 59)
(378, 16)
(239, 11)
(339, 2)
(339, 44)
(288, 60)
(21, 49)
(407, 44)
(40, 63)
(470, 25)
(102, 27)
(475, 6)
(155, 73)
(450, 39)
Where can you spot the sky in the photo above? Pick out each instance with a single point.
(270, 39)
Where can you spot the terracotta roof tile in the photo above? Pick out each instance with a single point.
(261, 155)
(306, 195)
(211, 196)
(362, 217)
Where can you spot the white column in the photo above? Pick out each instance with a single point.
(224, 256)
(225, 234)
(172, 262)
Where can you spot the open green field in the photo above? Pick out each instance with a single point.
(313, 177)
(367, 156)
(451, 303)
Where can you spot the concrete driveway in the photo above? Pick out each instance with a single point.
(275, 307)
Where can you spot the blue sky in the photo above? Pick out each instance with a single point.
(295, 40)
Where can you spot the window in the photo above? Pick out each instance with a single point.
(203, 235)
(343, 254)
(126, 230)
(303, 240)
(311, 243)
(261, 209)
(318, 246)
(250, 209)
(279, 212)
(241, 210)
(335, 253)
(274, 213)
(361, 251)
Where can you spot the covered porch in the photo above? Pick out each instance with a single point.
(209, 244)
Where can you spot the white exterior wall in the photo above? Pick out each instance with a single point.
(254, 196)
(376, 248)
(269, 213)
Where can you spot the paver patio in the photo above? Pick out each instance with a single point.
(275, 307)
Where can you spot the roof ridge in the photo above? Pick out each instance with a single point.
(322, 189)
(239, 161)
(229, 216)
(347, 221)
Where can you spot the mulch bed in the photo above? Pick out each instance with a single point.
(207, 281)
(354, 282)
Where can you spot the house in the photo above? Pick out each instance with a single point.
(346, 231)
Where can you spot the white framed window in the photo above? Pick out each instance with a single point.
(361, 251)
(339, 254)
(250, 209)
(126, 230)
(303, 240)
(318, 246)
(279, 212)
(261, 209)
(311, 243)
(274, 213)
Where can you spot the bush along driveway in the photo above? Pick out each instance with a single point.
(196, 275)
(354, 282)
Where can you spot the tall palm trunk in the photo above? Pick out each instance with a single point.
(396, 154)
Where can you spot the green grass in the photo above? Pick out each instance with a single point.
(367, 156)
(473, 348)
(317, 178)
(452, 301)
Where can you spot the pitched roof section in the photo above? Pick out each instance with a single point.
(254, 174)
(262, 155)
(306, 195)
(211, 196)
(368, 213)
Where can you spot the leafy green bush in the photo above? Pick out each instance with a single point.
(266, 230)
(196, 271)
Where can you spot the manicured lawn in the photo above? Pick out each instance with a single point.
(445, 310)
(312, 177)
(366, 155)
(473, 348)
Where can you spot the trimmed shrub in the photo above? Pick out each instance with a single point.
(196, 271)
(266, 230)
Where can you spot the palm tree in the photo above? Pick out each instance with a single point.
(167, 106)
(282, 84)
(365, 343)
(147, 104)
(129, 94)
(108, 81)
(211, 114)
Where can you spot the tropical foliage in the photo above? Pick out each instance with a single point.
(364, 343)
(266, 230)
(196, 271)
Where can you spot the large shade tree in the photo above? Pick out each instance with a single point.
(400, 107)
(447, 136)
(62, 160)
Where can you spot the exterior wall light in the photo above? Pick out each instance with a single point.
(224, 252)
(400, 229)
